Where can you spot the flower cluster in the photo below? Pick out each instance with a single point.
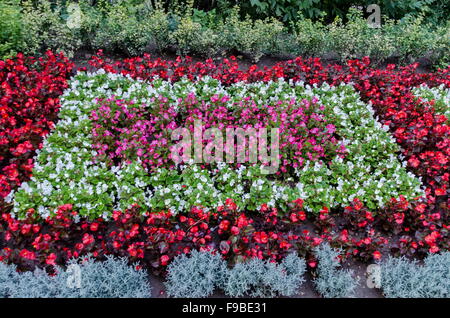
(29, 101)
(154, 238)
(332, 149)
(439, 96)
(124, 131)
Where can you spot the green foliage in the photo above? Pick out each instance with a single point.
(258, 278)
(46, 29)
(414, 39)
(120, 30)
(408, 39)
(406, 8)
(196, 275)
(355, 39)
(402, 278)
(84, 278)
(310, 37)
(286, 10)
(253, 38)
(11, 36)
(191, 37)
(289, 11)
(332, 282)
(159, 27)
(133, 27)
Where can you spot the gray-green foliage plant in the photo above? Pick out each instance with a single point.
(403, 278)
(258, 278)
(8, 279)
(332, 282)
(196, 275)
(84, 278)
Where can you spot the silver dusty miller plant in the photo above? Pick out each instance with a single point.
(403, 278)
(112, 278)
(195, 275)
(332, 282)
(258, 278)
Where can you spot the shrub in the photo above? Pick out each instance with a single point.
(130, 26)
(11, 37)
(355, 39)
(402, 278)
(309, 37)
(112, 278)
(120, 30)
(413, 39)
(46, 30)
(159, 28)
(196, 275)
(408, 39)
(332, 282)
(191, 37)
(259, 278)
(252, 38)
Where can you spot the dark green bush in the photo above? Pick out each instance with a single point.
(435, 11)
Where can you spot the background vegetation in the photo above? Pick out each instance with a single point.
(335, 29)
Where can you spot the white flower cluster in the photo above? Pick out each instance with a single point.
(440, 95)
(65, 170)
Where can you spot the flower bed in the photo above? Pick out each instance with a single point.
(325, 170)
(364, 165)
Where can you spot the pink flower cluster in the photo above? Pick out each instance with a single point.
(123, 131)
